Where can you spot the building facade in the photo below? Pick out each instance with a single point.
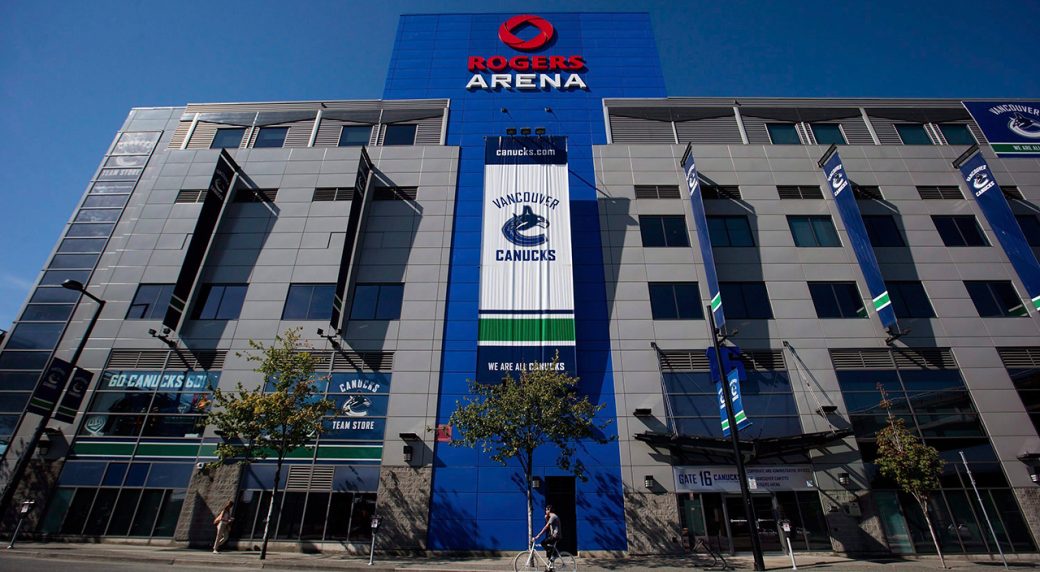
(362, 223)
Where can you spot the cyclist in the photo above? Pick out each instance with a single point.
(552, 525)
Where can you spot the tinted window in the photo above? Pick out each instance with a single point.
(150, 302)
(663, 230)
(309, 302)
(813, 231)
(828, 133)
(961, 230)
(271, 137)
(837, 300)
(220, 302)
(995, 298)
(730, 231)
(227, 138)
(354, 135)
(745, 300)
(913, 134)
(377, 302)
(399, 135)
(675, 301)
(957, 134)
(882, 230)
(35, 336)
(783, 134)
(1030, 228)
(909, 300)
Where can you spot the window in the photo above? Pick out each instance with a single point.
(271, 137)
(960, 230)
(783, 134)
(882, 230)
(957, 134)
(220, 302)
(355, 135)
(730, 230)
(377, 302)
(995, 298)
(913, 134)
(745, 300)
(813, 230)
(309, 302)
(837, 300)
(666, 230)
(675, 301)
(150, 302)
(828, 133)
(399, 135)
(1030, 225)
(766, 395)
(228, 138)
(909, 299)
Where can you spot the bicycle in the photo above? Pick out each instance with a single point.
(532, 560)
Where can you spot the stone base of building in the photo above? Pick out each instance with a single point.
(36, 485)
(210, 488)
(403, 505)
(652, 523)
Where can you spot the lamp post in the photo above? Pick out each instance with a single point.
(23, 460)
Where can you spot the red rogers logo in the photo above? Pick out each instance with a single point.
(545, 32)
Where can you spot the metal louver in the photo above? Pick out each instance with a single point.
(160, 359)
(137, 359)
(867, 193)
(395, 193)
(363, 361)
(720, 192)
(333, 194)
(697, 360)
(1020, 357)
(190, 196)
(799, 192)
(883, 358)
(1013, 193)
(321, 359)
(658, 192)
(310, 478)
(939, 192)
(256, 195)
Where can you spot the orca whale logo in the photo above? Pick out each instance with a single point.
(1024, 126)
(524, 221)
(980, 180)
(356, 406)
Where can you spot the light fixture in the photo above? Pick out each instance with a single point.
(648, 482)
(44, 445)
(525, 130)
(844, 480)
(536, 482)
(72, 285)
(1034, 474)
(510, 130)
(539, 131)
(164, 336)
(408, 450)
(642, 412)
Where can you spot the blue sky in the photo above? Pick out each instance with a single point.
(70, 71)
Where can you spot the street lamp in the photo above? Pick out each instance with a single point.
(27, 453)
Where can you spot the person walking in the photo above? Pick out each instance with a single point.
(223, 522)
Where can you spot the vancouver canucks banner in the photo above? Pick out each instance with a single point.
(841, 190)
(735, 373)
(995, 207)
(700, 220)
(526, 276)
(1012, 127)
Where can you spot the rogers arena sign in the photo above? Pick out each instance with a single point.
(526, 72)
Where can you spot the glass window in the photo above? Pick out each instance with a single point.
(1030, 226)
(837, 300)
(231, 138)
(270, 137)
(123, 512)
(78, 510)
(97, 522)
(828, 133)
(82, 245)
(355, 135)
(1027, 383)
(675, 301)
(730, 231)
(291, 516)
(13, 401)
(89, 230)
(136, 143)
(813, 230)
(18, 380)
(957, 134)
(745, 300)
(57, 277)
(45, 295)
(112, 188)
(35, 336)
(169, 513)
(399, 135)
(309, 302)
(46, 312)
(995, 298)
(74, 260)
(783, 134)
(913, 134)
(313, 526)
(377, 302)
(147, 510)
(959, 230)
(909, 299)
(150, 302)
(220, 302)
(666, 230)
(98, 215)
(105, 201)
(13, 359)
(882, 230)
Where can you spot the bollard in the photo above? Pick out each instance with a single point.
(787, 536)
(372, 549)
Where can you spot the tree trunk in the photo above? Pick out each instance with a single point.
(924, 509)
(270, 509)
(530, 503)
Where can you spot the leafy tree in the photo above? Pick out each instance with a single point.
(257, 424)
(914, 466)
(514, 418)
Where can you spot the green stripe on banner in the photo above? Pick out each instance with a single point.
(180, 450)
(1036, 303)
(1015, 147)
(740, 416)
(103, 449)
(351, 452)
(716, 302)
(526, 330)
(882, 301)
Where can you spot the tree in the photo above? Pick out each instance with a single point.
(914, 466)
(514, 418)
(279, 416)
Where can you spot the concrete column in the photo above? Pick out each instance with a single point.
(207, 492)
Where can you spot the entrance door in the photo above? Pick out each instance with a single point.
(559, 492)
(740, 530)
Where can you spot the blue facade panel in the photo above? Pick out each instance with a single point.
(476, 503)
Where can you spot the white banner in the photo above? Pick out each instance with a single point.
(724, 479)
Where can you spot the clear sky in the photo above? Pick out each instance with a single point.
(70, 71)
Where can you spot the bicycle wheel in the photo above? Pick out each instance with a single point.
(565, 563)
(527, 562)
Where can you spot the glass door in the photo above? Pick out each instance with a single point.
(740, 530)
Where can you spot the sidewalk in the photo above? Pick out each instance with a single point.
(176, 556)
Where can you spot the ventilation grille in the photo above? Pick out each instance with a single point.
(395, 193)
(867, 193)
(697, 360)
(333, 194)
(363, 361)
(931, 358)
(179, 134)
(856, 132)
(159, 359)
(799, 192)
(713, 130)
(658, 192)
(1020, 357)
(310, 478)
(190, 196)
(772, 360)
(939, 192)
(256, 195)
(720, 192)
(1013, 194)
(208, 360)
(634, 130)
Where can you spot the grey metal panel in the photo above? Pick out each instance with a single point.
(179, 134)
(631, 130)
(428, 131)
(203, 136)
(756, 129)
(856, 132)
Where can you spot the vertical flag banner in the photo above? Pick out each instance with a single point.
(841, 190)
(735, 373)
(700, 220)
(1012, 127)
(995, 208)
(526, 269)
(49, 388)
(73, 398)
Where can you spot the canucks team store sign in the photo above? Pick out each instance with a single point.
(526, 285)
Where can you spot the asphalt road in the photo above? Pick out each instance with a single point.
(13, 562)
